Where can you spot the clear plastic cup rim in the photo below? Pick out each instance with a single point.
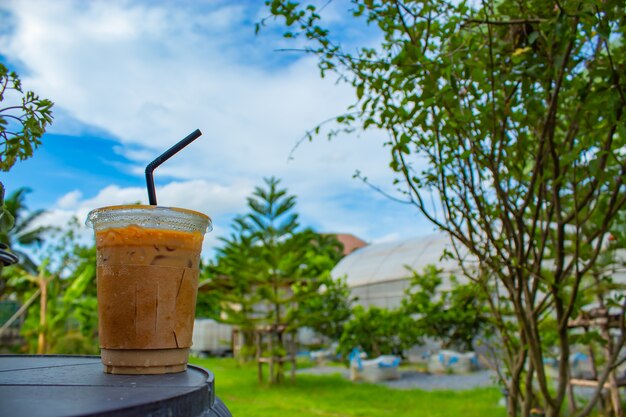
(156, 217)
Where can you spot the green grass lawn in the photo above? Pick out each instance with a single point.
(333, 395)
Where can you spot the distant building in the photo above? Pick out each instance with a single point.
(350, 242)
(379, 273)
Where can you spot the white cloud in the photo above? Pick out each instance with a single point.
(142, 74)
(149, 74)
(200, 195)
(70, 199)
(217, 201)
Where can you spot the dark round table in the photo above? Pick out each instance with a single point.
(49, 385)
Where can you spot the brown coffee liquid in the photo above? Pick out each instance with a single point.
(147, 286)
(135, 245)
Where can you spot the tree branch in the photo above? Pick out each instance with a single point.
(503, 22)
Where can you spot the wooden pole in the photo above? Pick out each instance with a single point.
(258, 355)
(271, 348)
(41, 342)
(612, 381)
(293, 357)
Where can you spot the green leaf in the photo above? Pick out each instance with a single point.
(359, 91)
(6, 219)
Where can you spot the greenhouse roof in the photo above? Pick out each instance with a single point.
(386, 262)
(383, 262)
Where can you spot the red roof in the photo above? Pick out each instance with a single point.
(350, 242)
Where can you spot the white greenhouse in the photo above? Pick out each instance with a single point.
(378, 274)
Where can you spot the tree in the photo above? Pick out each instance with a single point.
(65, 319)
(602, 315)
(508, 117)
(22, 124)
(326, 310)
(235, 282)
(454, 316)
(23, 233)
(377, 331)
(264, 259)
(207, 302)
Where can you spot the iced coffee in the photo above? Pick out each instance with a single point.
(147, 278)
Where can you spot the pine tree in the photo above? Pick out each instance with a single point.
(268, 255)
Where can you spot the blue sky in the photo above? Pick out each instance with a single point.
(131, 78)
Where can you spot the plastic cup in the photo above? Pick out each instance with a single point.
(147, 276)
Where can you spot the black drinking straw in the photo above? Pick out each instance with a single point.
(164, 157)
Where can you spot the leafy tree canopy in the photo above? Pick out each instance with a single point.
(326, 310)
(269, 265)
(65, 285)
(377, 331)
(23, 233)
(23, 121)
(453, 314)
(504, 122)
